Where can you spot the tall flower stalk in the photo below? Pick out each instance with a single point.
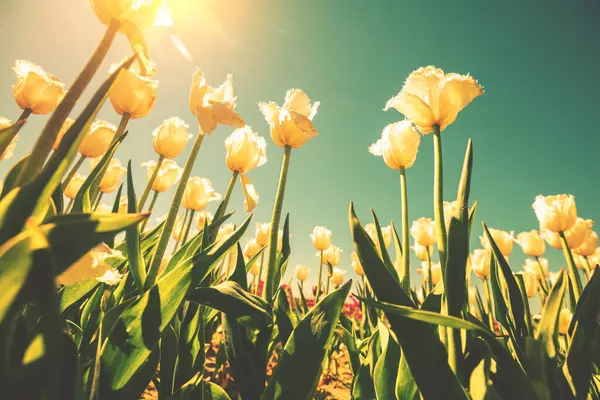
(405, 271)
(148, 188)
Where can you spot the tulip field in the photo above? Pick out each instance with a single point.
(99, 301)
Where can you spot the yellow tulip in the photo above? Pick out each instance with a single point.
(386, 232)
(96, 142)
(556, 213)
(429, 97)
(398, 145)
(589, 245)
(123, 205)
(213, 106)
(531, 283)
(142, 14)
(356, 265)
(532, 266)
(531, 243)
(251, 249)
(503, 239)
(171, 137)
(337, 277)
(8, 153)
(112, 177)
(423, 231)
(321, 238)
(168, 174)
(480, 263)
(594, 259)
(262, 233)
(103, 209)
(291, 124)
(225, 231)
(564, 321)
(575, 236)
(198, 192)
(203, 217)
(36, 89)
(255, 269)
(436, 272)
(472, 293)
(63, 130)
(132, 93)
(92, 265)
(580, 262)
(302, 273)
(451, 209)
(421, 251)
(74, 185)
(332, 255)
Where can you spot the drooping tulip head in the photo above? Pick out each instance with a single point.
(170, 138)
(36, 89)
(321, 238)
(555, 213)
(398, 145)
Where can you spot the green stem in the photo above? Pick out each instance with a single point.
(149, 184)
(438, 197)
(489, 304)
(74, 170)
(227, 196)
(24, 115)
(69, 205)
(152, 203)
(272, 256)
(429, 278)
(588, 268)
(542, 275)
(261, 269)
(46, 140)
(329, 276)
(183, 224)
(318, 295)
(573, 273)
(98, 200)
(172, 216)
(189, 226)
(405, 271)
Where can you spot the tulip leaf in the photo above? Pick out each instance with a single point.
(387, 261)
(283, 316)
(406, 387)
(299, 368)
(191, 343)
(197, 388)
(424, 353)
(386, 368)
(284, 254)
(168, 361)
(11, 178)
(8, 134)
(137, 265)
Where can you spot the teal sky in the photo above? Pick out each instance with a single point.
(534, 130)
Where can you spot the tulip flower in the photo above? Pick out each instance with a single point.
(74, 185)
(451, 209)
(386, 232)
(103, 209)
(225, 231)
(436, 272)
(423, 231)
(213, 106)
(251, 249)
(291, 127)
(204, 217)
(539, 267)
(112, 176)
(168, 174)
(321, 238)
(531, 243)
(35, 89)
(531, 283)
(589, 245)
(132, 94)
(337, 277)
(198, 193)
(575, 236)
(301, 273)
(423, 253)
(255, 269)
(332, 255)
(556, 213)
(503, 239)
(262, 233)
(123, 205)
(564, 321)
(92, 265)
(246, 150)
(480, 263)
(97, 140)
(170, 138)
(356, 265)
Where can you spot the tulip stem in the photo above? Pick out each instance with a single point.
(489, 304)
(429, 278)
(73, 170)
(438, 197)
(329, 276)
(405, 271)
(189, 225)
(183, 224)
(588, 268)
(573, 273)
(98, 200)
(149, 184)
(274, 229)
(152, 203)
(172, 216)
(319, 278)
(261, 269)
(48, 136)
(24, 115)
(542, 275)
(223, 206)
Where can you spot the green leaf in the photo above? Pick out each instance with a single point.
(386, 368)
(425, 354)
(547, 328)
(137, 266)
(196, 389)
(387, 261)
(168, 360)
(284, 254)
(299, 368)
(11, 177)
(8, 134)
(283, 316)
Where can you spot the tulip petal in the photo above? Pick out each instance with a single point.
(413, 108)
(376, 148)
(250, 193)
(424, 83)
(456, 92)
(298, 101)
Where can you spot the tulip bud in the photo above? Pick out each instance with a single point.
(198, 192)
(337, 277)
(398, 145)
(262, 233)
(123, 205)
(589, 245)
(204, 217)
(96, 142)
(103, 209)
(246, 150)
(291, 125)
(321, 238)
(436, 272)
(531, 283)
(503, 239)
(533, 267)
(556, 213)
(132, 93)
(531, 243)
(168, 174)
(142, 14)
(112, 176)
(451, 210)
(421, 251)
(332, 255)
(213, 106)
(356, 265)
(74, 185)
(301, 273)
(63, 129)
(480, 263)
(423, 231)
(575, 236)
(251, 249)
(564, 321)
(224, 231)
(429, 97)
(386, 232)
(170, 138)
(36, 89)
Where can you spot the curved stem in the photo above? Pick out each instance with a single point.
(172, 216)
(405, 271)
(149, 184)
(438, 197)
(46, 140)
(122, 126)
(223, 206)
(189, 226)
(272, 256)
(573, 273)
(318, 294)
(74, 170)
(152, 203)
